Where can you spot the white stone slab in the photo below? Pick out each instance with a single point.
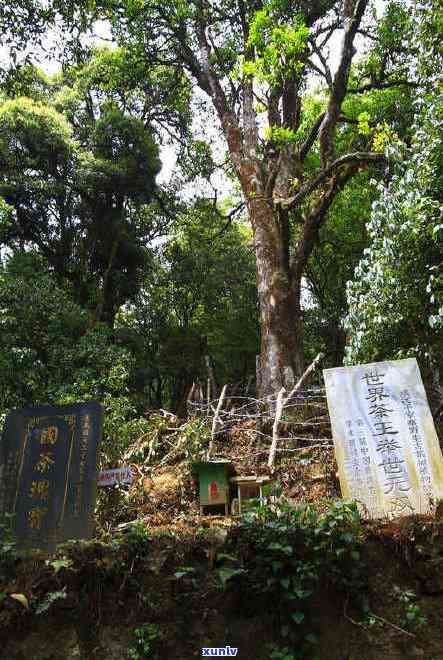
(387, 449)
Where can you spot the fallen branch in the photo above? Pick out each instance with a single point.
(282, 402)
(278, 414)
(380, 618)
(393, 625)
(302, 379)
(216, 420)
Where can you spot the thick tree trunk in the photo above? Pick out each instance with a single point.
(267, 180)
(281, 357)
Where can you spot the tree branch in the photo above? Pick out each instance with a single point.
(230, 217)
(382, 85)
(227, 117)
(327, 71)
(307, 144)
(314, 221)
(354, 10)
(357, 158)
(317, 69)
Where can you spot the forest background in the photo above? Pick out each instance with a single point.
(304, 211)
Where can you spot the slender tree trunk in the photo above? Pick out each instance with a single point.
(281, 356)
(105, 309)
(335, 342)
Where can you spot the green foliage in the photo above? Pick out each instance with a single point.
(6, 216)
(371, 620)
(388, 317)
(286, 653)
(280, 135)
(229, 569)
(136, 539)
(296, 552)
(187, 574)
(327, 275)
(413, 618)
(396, 298)
(374, 125)
(278, 47)
(159, 96)
(240, 54)
(390, 46)
(59, 564)
(51, 354)
(8, 552)
(363, 123)
(78, 163)
(76, 172)
(50, 598)
(23, 24)
(195, 435)
(196, 303)
(31, 132)
(196, 160)
(147, 641)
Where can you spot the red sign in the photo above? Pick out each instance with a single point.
(213, 490)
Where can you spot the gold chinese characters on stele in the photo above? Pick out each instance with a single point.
(388, 454)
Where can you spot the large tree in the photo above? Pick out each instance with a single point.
(77, 173)
(255, 60)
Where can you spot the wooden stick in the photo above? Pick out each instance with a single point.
(278, 414)
(189, 400)
(389, 623)
(208, 394)
(216, 420)
(281, 403)
(302, 379)
(362, 625)
(380, 618)
(249, 383)
(258, 373)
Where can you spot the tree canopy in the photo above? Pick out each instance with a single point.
(77, 174)
(396, 298)
(256, 63)
(306, 142)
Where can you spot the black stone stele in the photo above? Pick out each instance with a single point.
(48, 473)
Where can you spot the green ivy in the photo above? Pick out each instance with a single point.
(147, 638)
(297, 551)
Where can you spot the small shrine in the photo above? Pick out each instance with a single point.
(213, 477)
(223, 492)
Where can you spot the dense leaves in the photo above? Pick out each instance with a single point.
(199, 301)
(77, 174)
(396, 299)
(117, 286)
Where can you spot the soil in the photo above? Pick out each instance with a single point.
(104, 590)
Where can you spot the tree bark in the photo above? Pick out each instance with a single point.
(267, 181)
(281, 355)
